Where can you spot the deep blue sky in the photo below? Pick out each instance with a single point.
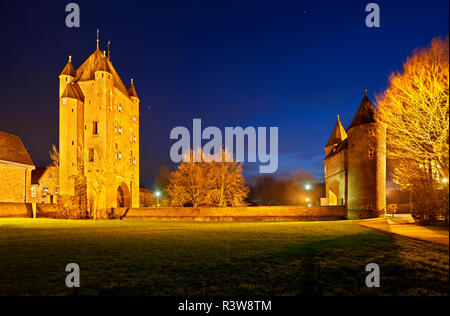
(291, 64)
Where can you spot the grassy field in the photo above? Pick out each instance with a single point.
(174, 258)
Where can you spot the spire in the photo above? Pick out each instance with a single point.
(365, 92)
(97, 39)
(109, 51)
(366, 113)
(132, 90)
(338, 135)
(69, 70)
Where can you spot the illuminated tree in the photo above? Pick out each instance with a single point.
(210, 182)
(190, 183)
(415, 108)
(227, 183)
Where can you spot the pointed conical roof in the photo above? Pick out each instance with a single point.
(69, 70)
(366, 113)
(73, 90)
(132, 91)
(338, 134)
(99, 62)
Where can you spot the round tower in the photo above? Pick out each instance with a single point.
(66, 76)
(366, 162)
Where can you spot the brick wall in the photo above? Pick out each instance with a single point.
(15, 210)
(263, 213)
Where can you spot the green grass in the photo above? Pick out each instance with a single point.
(175, 258)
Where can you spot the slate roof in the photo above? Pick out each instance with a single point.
(132, 91)
(338, 134)
(73, 90)
(341, 146)
(366, 113)
(69, 70)
(98, 61)
(13, 150)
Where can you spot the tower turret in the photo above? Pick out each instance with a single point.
(66, 76)
(71, 133)
(337, 136)
(366, 160)
(132, 92)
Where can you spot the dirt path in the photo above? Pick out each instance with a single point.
(438, 235)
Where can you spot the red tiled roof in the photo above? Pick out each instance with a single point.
(13, 150)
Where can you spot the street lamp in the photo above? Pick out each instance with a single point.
(308, 188)
(158, 194)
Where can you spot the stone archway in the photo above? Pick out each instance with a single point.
(333, 193)
(123, 196)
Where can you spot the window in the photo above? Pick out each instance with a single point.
(45, 190)
(91, 154)
(52, 175)
(119, 155)
(120, 130)
(56, 190)
(131, 134)
(33, 192)
(119, 107)
(371, 154)
(95, 128)
(371, 132)
(134, 138)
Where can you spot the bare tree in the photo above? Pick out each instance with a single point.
(228, 185)
(210, 182)
(415, 108)
(189, 184)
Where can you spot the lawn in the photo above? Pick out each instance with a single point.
(178, 258)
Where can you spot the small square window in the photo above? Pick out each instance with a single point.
(95, 128)
(371, 154)
(52, 175)
(33, 192)
(91, 155)
(56, 190)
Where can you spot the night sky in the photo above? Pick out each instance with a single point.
(290, 64)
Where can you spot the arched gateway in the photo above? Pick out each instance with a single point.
(123, 196)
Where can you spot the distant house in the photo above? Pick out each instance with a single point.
(45, 183)
(15, 170)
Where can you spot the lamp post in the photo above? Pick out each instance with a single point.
(444, 183)
(158, 194)
(308, 188)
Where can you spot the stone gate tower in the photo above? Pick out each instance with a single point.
(99, 133)
(355, 162)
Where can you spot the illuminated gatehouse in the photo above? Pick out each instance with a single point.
(355, 162)
(99, 133)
